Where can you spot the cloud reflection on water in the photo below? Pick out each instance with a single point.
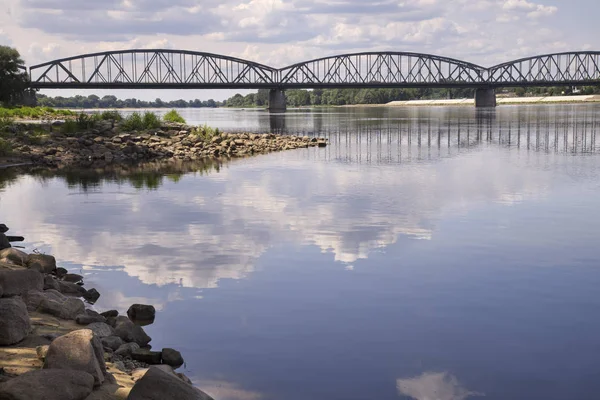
(434, 386)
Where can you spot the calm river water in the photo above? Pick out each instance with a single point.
(427, 253)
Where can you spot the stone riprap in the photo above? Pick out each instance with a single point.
(108, 145)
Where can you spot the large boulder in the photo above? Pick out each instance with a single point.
(71, 288)
(74, 278)
(86, 319)
(48, 385)
(157, 384)
(130, 332)
(91, 296)
(42, 262)
(110, 313)
(127, 349)
(112, 342)
(14, 256)
(78, 351)
(172, 357)
(141, 312)
(147, 356)
(54, 303)
(101, 329)
(21, 281)
(51, 283)
(14, 321)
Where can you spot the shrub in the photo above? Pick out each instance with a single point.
(151, 120)
(206, 132)
(70, 126)
(111, 116)
(133, 122)
(173, 116)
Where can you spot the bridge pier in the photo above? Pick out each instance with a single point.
(277, 100)
(485, 97)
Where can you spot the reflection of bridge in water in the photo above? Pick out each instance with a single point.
(433, 134)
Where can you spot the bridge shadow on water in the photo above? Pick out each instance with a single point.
(420, 134)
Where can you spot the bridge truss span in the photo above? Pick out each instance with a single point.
(574, 68)
(149, 69)
(387, 69)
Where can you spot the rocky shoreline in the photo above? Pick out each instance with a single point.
(108, 142)
(54, 346)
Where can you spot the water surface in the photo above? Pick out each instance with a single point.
(427, 253)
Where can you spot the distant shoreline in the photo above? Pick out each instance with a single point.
(500, 101)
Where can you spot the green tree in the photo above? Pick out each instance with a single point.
(14, 80)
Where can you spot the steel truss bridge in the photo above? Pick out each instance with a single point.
(179, 69)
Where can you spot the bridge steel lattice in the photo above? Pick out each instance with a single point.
(178, 69)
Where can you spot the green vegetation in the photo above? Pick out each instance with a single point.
(14, 80)
(138, 122)
(33, 112)
(173, 116)
(206, 132)
(94, 101)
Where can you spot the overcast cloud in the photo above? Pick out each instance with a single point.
(281, 32)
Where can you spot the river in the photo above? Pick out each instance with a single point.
(426, 253)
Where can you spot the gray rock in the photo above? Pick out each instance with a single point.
(54, 303)
(110, 313)
(78, 351)
(18, 282)
(112, 321)
(147, 356)
(48, 385)
(126, 349)
(1, 291)
(4, 243)
(42, 262)
(71, 289)
(60, 272)
(141, 312)
(91, 296)
(14, 256)
(86, 319)
(51, 283)
(130, 332)
(74, 278)
(14, 321)
(101, 329)
(112, 342)
(158, 384)
(172, 357)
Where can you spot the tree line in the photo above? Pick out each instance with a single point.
(93, 101)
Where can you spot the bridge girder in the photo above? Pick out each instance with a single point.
(177, 69)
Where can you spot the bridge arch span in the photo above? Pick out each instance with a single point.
(382, 69)
(151, 68)
(570, 68)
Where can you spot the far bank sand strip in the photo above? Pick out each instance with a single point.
(500, 101)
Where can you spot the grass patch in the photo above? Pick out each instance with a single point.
(206, 132)
(173, 116)
(33, 112)
(138, 122)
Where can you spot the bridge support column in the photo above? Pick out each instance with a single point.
(276, 100)
(485, 97)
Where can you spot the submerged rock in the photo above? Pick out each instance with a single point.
(91, 296)
(172, 357)
(141, 312)
(14, 321)
(48, 385)
(77, 351)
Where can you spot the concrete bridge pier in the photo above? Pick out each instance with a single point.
(485, 97)
(277, 100)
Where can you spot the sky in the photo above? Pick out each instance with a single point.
(282, 32)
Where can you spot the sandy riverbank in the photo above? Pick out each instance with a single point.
(500, 101)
